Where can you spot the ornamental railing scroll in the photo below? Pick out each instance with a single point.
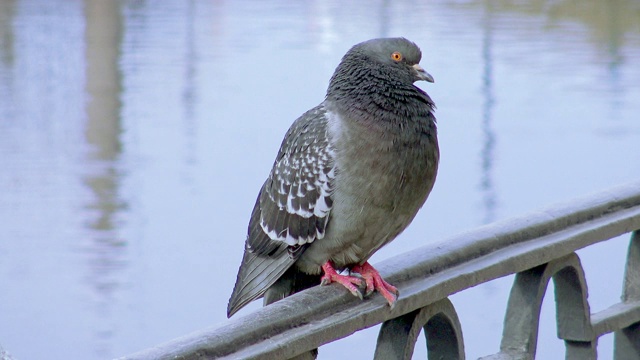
(537, 248)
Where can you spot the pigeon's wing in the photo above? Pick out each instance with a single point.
(292, 209)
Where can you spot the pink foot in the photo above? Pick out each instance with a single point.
(375, 282)
(350, 282)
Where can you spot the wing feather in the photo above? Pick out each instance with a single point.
(292, 209)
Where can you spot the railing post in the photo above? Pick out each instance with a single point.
(442, 328)
(627, 340)
(520, 333)
(579, 350)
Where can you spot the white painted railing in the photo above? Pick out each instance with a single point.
(537, 247)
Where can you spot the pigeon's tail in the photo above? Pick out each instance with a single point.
(290, 283)
(273, 277)
(257, 273)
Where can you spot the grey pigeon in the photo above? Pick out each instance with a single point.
(350, 175)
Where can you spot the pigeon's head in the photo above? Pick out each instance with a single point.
(396, 59)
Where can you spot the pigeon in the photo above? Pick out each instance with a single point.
(350, 175)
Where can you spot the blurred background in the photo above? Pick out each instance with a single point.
(134, 136)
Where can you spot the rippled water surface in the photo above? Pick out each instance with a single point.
(134, 136)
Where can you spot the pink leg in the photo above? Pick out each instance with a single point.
(375, 282)
(330, 275)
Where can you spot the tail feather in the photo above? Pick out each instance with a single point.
(257, 273)
(271, 276)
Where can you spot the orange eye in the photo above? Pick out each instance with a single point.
(396, 56)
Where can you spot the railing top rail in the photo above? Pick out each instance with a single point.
(320, 315)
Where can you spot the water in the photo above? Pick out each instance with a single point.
(135, 135)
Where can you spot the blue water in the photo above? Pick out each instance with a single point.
(134, 136)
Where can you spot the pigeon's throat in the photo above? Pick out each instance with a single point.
(389, 110)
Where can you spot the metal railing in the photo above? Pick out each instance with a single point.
(537, 247)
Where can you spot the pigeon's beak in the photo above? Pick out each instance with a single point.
(421, 74)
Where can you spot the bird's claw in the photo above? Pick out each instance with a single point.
(350, 282)
(371, 280)
(374, 281)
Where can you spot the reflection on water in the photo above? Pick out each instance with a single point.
(385, 18)
(134, 136)
(190, 93)
(7, 9)
(486, 181)
(103, 38)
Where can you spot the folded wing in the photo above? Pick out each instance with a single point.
(292, 209)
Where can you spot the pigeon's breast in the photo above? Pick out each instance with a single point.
(387, 167)
(382, 180)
